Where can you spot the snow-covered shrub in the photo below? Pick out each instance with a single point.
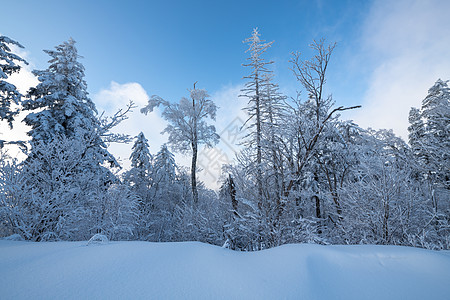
(98, 239)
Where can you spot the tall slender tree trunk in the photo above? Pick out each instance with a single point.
(259, 161)
(194, 157)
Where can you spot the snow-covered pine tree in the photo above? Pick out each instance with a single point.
(188, 128)
(59, 105)
(164, 168)
(429, 137)
(167, 196)
(139, 177)
(65, 126)
(416, 131)
(429, 134)
(435, 113)
(141, 166)
(9, 64)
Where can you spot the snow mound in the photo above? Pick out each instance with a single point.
(98, 239)
(191, 270)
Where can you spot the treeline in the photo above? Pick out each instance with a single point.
(304, 175)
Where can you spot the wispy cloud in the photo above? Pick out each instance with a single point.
(407, 42)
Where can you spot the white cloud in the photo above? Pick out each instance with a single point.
(116, 97)
(409, 42)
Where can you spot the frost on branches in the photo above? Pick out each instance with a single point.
(71, 192)
(304, 175)
(9, 64)
(188, 128)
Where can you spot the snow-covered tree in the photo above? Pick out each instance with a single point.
(139, 177)
(429, 133)
(9, 64)
(253, 90)
(157, 224)
(382, 202)
(114, 212)
(16, 213)
(141, 167)
(164, 168)
(66, 165)
(140, 157)
(312, 117)
(59, 106)
(429, 137)
(61, 97)
(58, 195)
(188, 128)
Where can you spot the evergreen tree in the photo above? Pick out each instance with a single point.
(61, 97)
(164, 169)
(59, 105)
(435, 114)
(429, 134)
(429, 137)
(167, 194)
(8, 92)
(65, 166)
(139, 177)
(416, 131)
(141, 165)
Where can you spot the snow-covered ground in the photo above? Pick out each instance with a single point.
(191, 270)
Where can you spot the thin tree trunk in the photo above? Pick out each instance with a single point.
(193, 174)
(317, 201)
(194, 157)
(258, 146)
(234, 202)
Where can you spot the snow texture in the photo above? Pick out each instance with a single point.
(192, 270)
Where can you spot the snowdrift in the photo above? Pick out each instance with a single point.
(191, 270)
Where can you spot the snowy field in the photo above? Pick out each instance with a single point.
(191, 270)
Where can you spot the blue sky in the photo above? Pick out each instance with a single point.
(388, 52)
(167, 45)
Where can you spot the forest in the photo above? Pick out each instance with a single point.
(302, 175)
